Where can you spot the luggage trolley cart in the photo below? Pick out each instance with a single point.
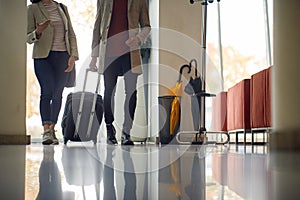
(200, 96)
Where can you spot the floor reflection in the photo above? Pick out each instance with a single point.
(196, 189)
(129, 175)
(84, 171)
(243, 171)
(82, 167)
(184, 177)
(49, 177)
(109, 191)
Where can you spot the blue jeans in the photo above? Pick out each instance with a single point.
(52, 79)
(120, 66)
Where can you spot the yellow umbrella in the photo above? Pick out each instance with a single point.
(175, 113)
(177, 89)
(175, 107)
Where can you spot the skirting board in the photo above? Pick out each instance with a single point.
(14, 139)
(288, 140)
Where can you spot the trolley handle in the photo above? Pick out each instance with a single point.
(87, 70)
(78, 119)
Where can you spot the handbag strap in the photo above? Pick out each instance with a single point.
(62, 7)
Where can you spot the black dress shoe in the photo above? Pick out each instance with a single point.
(126, 139)
(112, 140)
(111, 134)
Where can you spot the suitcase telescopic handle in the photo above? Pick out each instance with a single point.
(85, 79)
(78, 119)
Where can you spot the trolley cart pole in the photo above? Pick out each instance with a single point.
(202, 132)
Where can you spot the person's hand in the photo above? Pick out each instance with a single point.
(71, 63)
(40, 27)
(93, 66)
(133, 42)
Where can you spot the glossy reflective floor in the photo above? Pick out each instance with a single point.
(85, 171)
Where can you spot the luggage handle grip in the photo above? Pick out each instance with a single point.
(87, 70)
(91, 70)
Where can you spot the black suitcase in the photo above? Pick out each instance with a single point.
(82, 115)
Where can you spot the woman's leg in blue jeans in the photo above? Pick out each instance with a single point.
(60, 63)
(52, 78)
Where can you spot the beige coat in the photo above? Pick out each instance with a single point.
(36, 13)
(138, 25)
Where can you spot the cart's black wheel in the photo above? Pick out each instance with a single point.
(95, 141)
